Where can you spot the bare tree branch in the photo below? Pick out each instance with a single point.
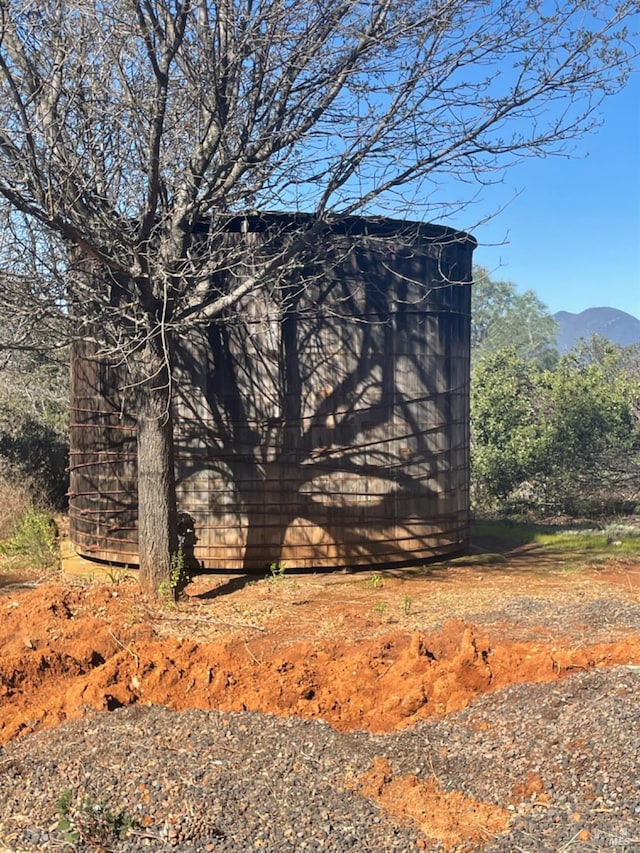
(132, 135)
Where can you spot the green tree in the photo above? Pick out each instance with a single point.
(592, 439)
(560, 439)
(507, 426)
(125, 126)
(503, 318)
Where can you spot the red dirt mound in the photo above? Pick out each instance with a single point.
(66, 649)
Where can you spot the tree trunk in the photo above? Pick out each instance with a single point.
(157, 513)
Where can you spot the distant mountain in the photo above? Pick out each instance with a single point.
(618, 326)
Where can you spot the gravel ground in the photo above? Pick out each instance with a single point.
(199, 781)
(601, 619)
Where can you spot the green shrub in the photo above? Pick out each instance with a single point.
(91, 823)
(33, 541)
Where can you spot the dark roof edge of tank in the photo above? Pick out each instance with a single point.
(374, 226)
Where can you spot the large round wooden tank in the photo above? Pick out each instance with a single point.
(323, 423)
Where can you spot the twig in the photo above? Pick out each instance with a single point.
(194, 748)
(26, 584)
(252, 654)
(569, 842)
(382, 674)
(126, 648)
(213, 622)
(148, 835)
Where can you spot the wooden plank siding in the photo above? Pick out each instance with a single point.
(321, 425)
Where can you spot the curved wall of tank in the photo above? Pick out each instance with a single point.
(323, 423)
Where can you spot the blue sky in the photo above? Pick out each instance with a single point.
(572, 234)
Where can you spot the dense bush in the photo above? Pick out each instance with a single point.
(564, 439)
(34, 443)
(38, 453)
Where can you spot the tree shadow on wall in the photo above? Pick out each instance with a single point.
(316, 420)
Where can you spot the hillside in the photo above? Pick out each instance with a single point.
(618, 326)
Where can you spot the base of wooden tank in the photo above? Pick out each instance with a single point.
(354, 559)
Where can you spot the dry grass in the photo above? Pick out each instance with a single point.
(16, 496)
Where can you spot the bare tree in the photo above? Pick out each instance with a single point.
(124, 127)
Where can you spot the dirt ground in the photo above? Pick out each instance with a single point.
(367, 650)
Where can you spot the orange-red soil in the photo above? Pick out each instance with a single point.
(371, 651)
